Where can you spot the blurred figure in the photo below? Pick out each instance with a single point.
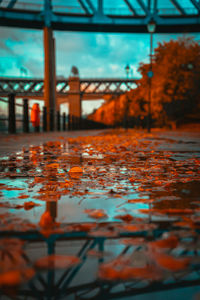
(35, 117)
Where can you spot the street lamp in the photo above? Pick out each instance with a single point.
(151, 27)
(127, 70)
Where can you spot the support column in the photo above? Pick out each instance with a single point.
(74, 103)
(49, 76)
(11, 114)
(25, 116)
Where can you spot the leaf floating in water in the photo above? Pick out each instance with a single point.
(76, 172)
(23, 196)
(126, 218)
(169, 243)
(170, 263)
(16, 277)
(96, 213)
(46, 221)
(113, 271)
(30, 205)
(133, 241)
(57, 262)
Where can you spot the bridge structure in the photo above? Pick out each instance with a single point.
(131, 16)
(72, 90)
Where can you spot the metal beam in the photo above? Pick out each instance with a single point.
(84, 7)
(100, 7)
(11, 4)
(196, 4)
(155, 6)
(130, 6)
(91, 5)
(70, 22)
(178, 7)
(143, 6)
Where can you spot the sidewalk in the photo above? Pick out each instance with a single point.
(13, 143)
(178, 140)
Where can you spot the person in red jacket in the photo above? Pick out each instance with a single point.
(35, 117)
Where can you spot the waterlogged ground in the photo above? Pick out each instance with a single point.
(112, 216)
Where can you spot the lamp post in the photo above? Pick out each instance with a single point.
(151, 27)
(127, 70)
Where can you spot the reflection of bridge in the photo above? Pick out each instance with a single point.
(58, 284)
(93, 16)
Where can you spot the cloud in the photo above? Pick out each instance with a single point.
(95, 54)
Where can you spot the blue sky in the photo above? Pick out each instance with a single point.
(95, 54)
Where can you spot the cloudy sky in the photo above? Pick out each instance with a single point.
(95, 54)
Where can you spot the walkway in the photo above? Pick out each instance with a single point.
(179, 140)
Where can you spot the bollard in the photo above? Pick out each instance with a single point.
(25, 116)
(58, 120)
(44, 117)
(51, 120)
(69, 122)
(11, 114)
(64, 121)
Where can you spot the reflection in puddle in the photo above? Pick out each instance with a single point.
(128, 212)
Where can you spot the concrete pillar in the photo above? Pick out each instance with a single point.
(49, 76)
(11, 114)
(74, 102)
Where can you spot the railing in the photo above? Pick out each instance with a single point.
(57, 121)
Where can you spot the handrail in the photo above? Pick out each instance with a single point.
(25, 119)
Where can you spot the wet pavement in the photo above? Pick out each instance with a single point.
(100, 215)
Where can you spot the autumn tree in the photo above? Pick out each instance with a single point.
(175, 85)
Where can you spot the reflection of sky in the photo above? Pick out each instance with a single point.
(95, 54)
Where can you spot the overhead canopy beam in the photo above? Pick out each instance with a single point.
(143, 6)
(196, 4)
(84, 7)
(11, 4)
(130, 6)
(100, 7)
(178, 7)
(155, 6)
(87, 23)
(91, 6)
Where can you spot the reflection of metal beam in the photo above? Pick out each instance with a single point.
(84, 7)
(130, 6)
(178, 7)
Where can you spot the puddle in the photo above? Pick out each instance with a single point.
(128, 218)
